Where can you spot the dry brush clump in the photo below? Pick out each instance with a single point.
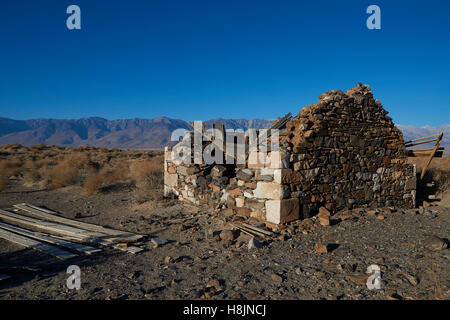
(64, 174)
(4, 180)
(109, 176)
(9, 169)
(12, 168)
(438, 170)
(441, 177)
(93, 184)
(95, 169)
(149, 172)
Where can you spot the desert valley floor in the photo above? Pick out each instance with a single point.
(186, 268)
(203, 260)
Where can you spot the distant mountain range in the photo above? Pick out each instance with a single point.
(99, 132)
(410, 132)
(138, 133)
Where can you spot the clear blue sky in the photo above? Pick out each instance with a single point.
(196, 60)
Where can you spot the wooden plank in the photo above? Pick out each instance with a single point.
(414, 153)
(52, 216)
(432, 155)
(429, 149)
(248, 231)
(419, 143)
(65, 232)
(420, 139)
(257, 229)
(277, 124)
(45, 226)
(42, 237)
(243, 230)
(107, 244)
(36, 245)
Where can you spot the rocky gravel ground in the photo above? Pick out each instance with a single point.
(206, 259)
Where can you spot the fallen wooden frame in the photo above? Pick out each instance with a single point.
(420, 139)
(251, 230)
(437, 151)
(432, 155)
(45, 238)
(425, 152)
(50, 215)
(46, 226)
(36, 245)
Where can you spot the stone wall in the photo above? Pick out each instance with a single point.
(344, 152)
(341, 152)
(247, 191)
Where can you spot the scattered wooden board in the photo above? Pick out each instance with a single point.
(250, 230)
(65, 232)
(268, 233)
(432, 155)
(50, 215)
(131, 249)
(42, 237)
(420, 139)
(36, 245)
(419, 143)
(48, 227)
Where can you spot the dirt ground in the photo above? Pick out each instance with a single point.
(197, 264)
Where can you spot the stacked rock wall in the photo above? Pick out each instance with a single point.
(346, 151)
(341, 152)
(251, 190)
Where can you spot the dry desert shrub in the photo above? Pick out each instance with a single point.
(93, 184)
(4, 181)
(97, 169)
(119, 173)
(438, 171)
(107, 177)
(13, 146)
(31, 173)
(65, 173)
(31, 177)
(441, 177)
(40, 163)
(11, 167)
(148, 171)
(48, 162)
(83, 161)
(39, 146)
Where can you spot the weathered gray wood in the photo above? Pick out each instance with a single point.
(67, 232)
(432, 155)
(268, 233)
(36, 245)
(108, 244)
(420, 139)
(412, 144)
(52, 216)
(45, 226)
(41, 237)
(131, 249)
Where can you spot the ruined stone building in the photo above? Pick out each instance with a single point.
(342, 152)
